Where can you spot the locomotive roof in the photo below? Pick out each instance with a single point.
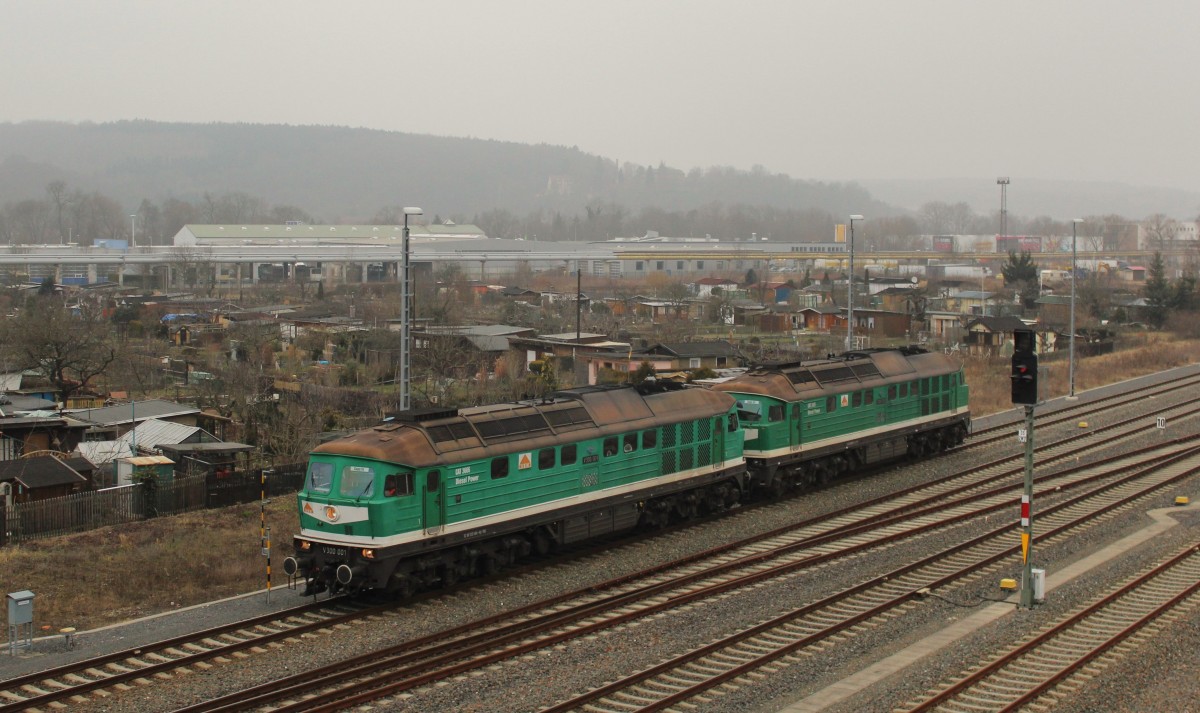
(851, 371)
(431, 437)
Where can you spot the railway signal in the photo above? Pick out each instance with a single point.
(1024, 368)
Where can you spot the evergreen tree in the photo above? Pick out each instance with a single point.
(1021, 274)
(1183, 293)
(1157, 292)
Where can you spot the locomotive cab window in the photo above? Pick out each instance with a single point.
(870, 396)
(630, 442)
(396, 485)
(857, 398)
(733, 422)
(610, 446)
(546, 459)
(320, 477)
(775, 413)
(568, 454)
(433, 481)
(358, 481)
(500, 467)
(649, 438)
(892, 392)
(749, 410)
(830, 404)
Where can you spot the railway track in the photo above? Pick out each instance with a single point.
(42, 689)
(695, 676)
(418, 663)
(46, 688)
(1080, 646)
(1000, 432)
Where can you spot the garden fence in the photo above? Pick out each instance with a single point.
(79, 512)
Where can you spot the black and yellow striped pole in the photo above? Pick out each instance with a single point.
(264, 532)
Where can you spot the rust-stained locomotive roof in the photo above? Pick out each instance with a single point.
(427, 438)
(796, 381)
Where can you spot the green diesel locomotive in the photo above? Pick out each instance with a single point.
(808, 422)
(438, 495)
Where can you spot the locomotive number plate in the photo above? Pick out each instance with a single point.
(333, 551)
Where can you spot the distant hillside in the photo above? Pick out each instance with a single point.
(347, 175)
(1031, 197)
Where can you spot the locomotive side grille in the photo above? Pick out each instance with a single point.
(801, 376)
(513, 426)
(866, 370)
(461, 430)
(668, 461)
(569, 417)
(445, 432)
(704, 454)
(837, 373)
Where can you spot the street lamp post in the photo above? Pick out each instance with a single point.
(850, 289)
(133, 230)
(1003, 182)
(1074, 277)
(406, 316)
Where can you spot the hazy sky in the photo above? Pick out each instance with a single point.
(827, 90)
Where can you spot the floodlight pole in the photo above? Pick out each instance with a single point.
(850, 289)
(406, 299)
(1074, 277)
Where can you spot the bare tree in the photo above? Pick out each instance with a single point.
(1160, 232)
(59, 200)
(30, 218)
(935, 217)
(70, 347)
(194, 266)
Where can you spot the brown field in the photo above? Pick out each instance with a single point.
(115, 574)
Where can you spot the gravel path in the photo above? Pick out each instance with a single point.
(1160, 680)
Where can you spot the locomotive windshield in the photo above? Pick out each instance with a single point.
(357, 481)
(320, 477)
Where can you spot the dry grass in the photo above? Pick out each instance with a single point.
(116, 574)
(120, 573)
(991, 390)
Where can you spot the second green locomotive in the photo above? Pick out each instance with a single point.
(808, 422)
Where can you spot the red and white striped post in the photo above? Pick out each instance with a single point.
(1027, 515)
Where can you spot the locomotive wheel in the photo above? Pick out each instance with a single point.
(542, 544)
(402, 586)
(449, 575)
(489, 564)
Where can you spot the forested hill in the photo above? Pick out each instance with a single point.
(341, 174)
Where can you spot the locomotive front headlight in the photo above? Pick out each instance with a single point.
(303, 545)
(368, 554)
